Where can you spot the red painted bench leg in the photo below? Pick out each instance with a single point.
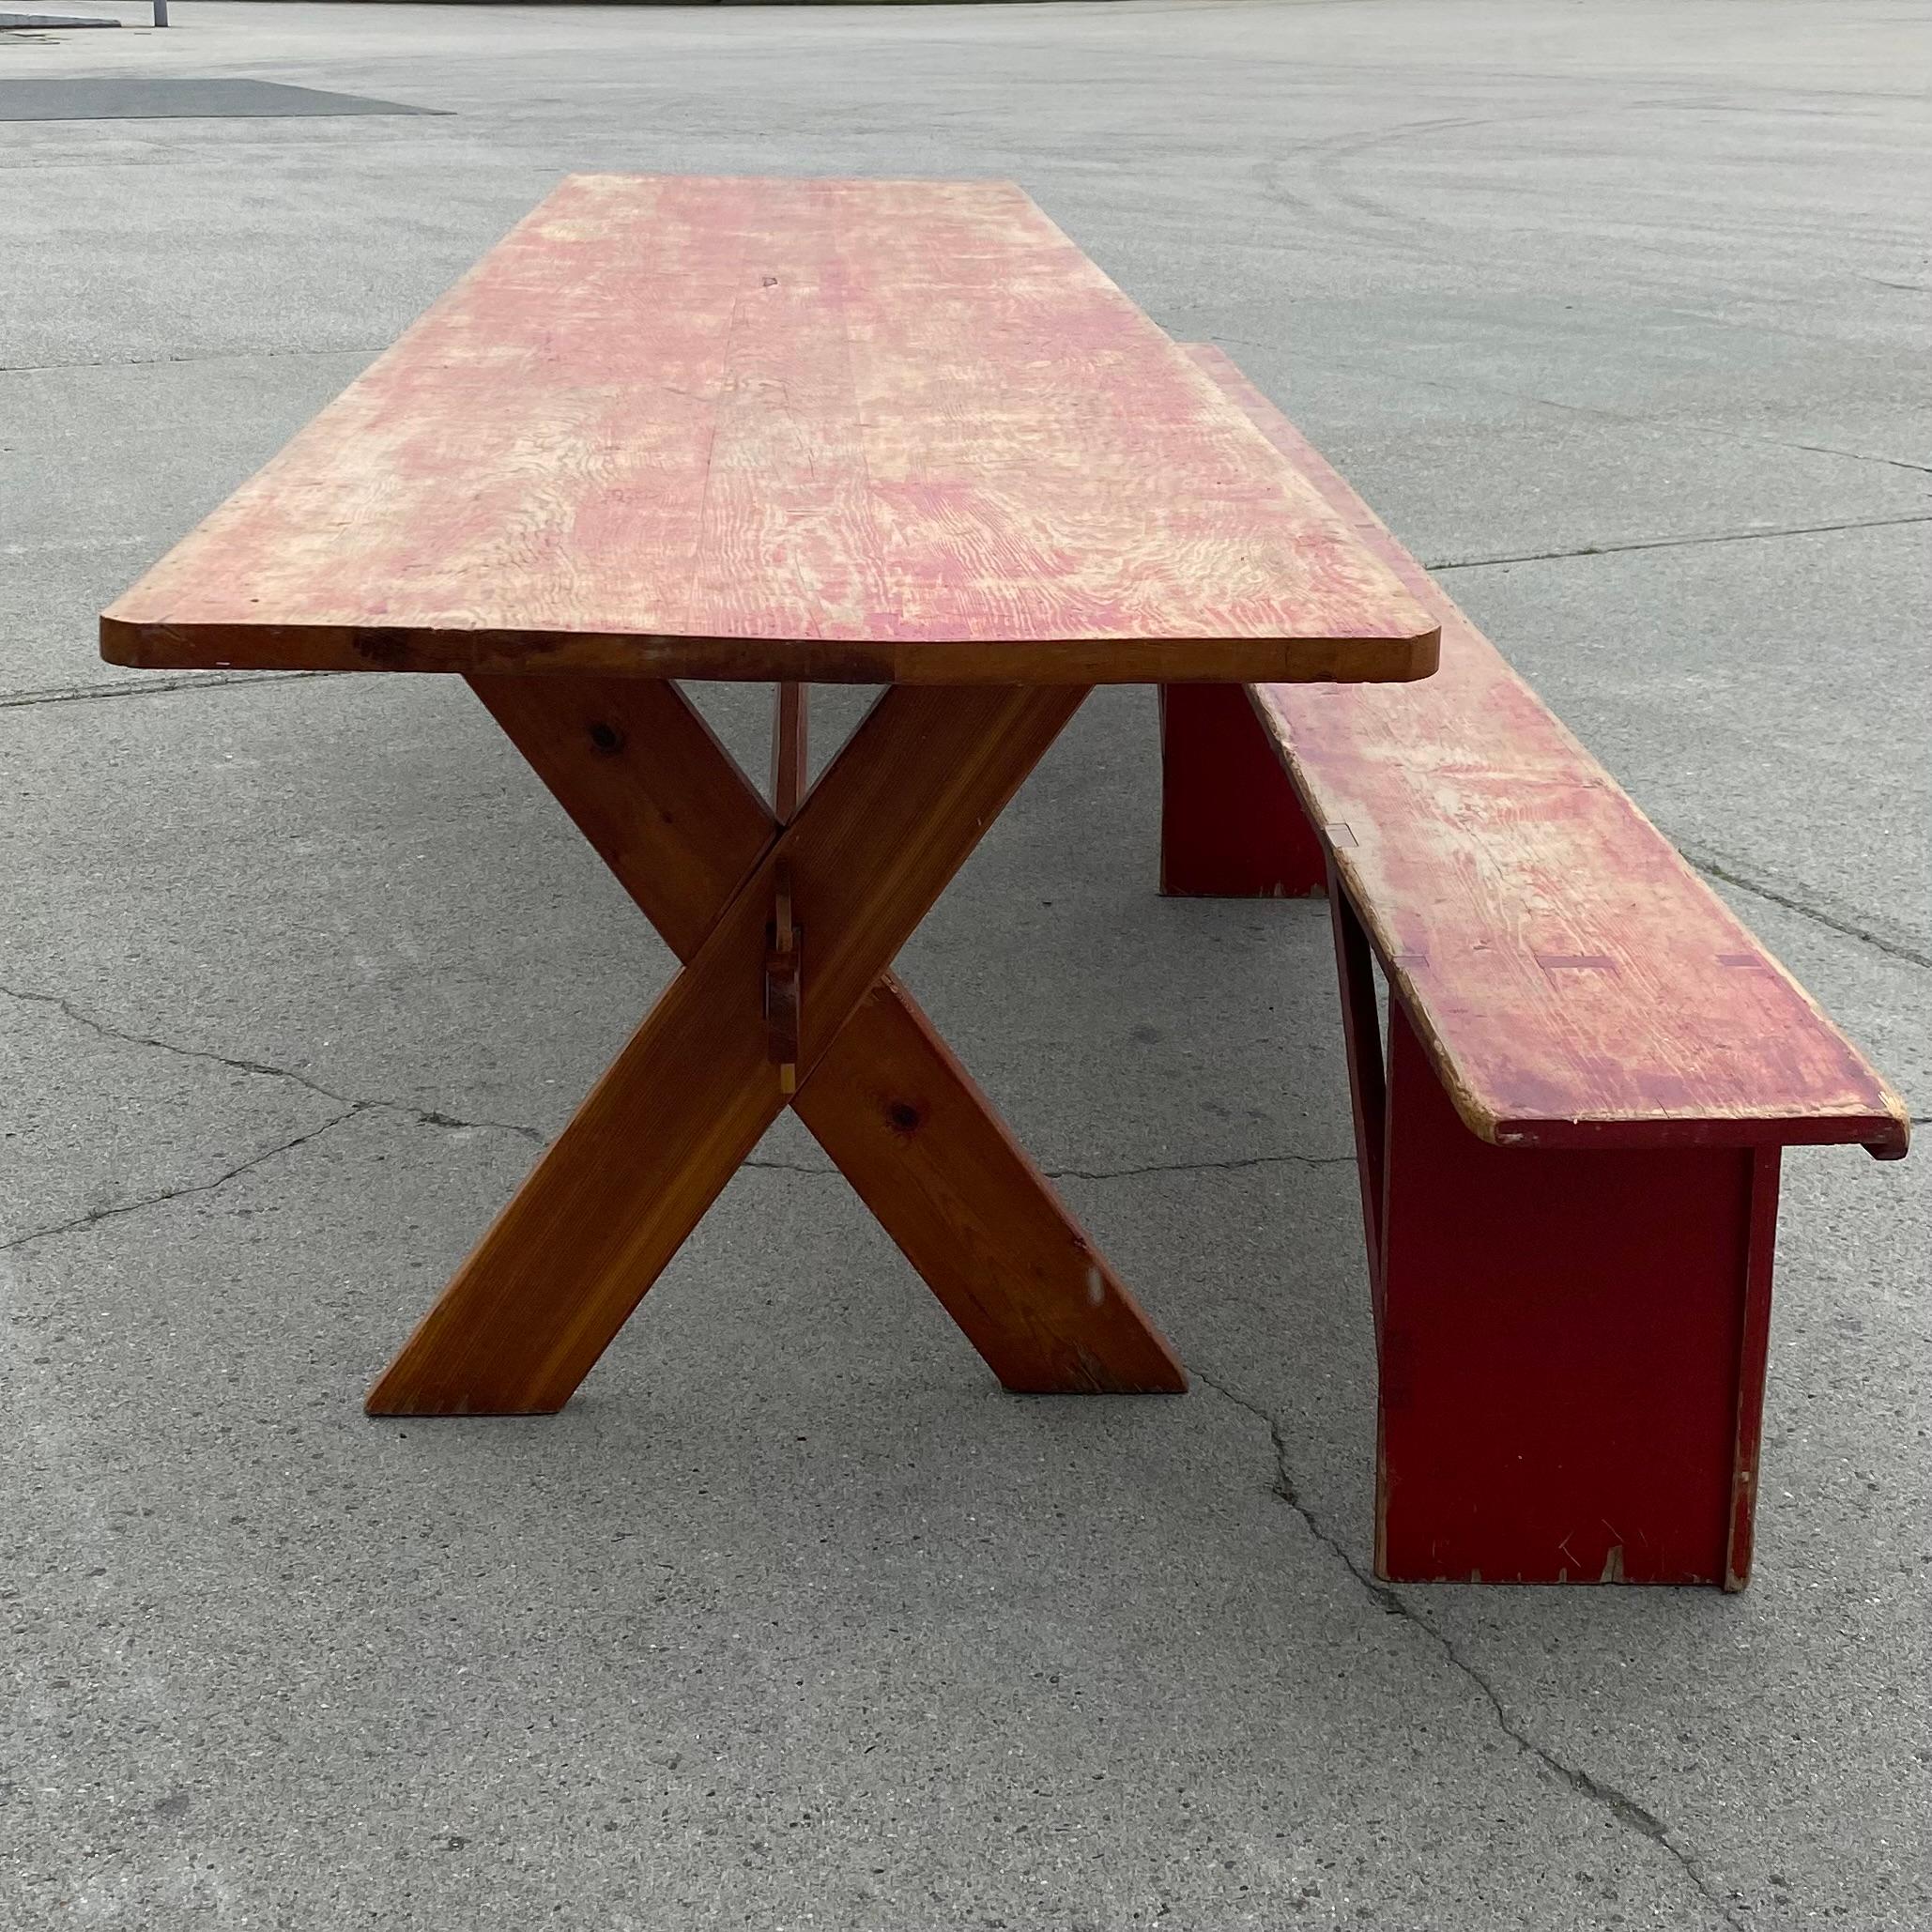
(1571, 1342)
(1231, 824)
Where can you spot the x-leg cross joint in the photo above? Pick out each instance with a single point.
(862, 858)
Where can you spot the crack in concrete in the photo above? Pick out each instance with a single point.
(221, 1180)
(430, 1116)
(1113, 1173)
(1620, 1805)
(1707, 864)
(1750, 536)
(194, 681)
(1855, 455)
(1708, 430)
(427, 1116)
(68, 546)
(159, 362)
(1235, 1165)
(149, 687)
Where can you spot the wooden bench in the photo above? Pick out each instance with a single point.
(1569, 1148)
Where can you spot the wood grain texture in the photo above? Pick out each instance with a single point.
(682, 1106)
(1574, 980)
(859, 431)
(926, 1150)
(659, 798)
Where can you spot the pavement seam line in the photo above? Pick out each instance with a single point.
(1620, 1805)
(427, 1116)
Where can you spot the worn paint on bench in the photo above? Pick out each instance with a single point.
(781, 429)
(1574, 981)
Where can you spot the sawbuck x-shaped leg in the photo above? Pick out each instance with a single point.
(867, 852)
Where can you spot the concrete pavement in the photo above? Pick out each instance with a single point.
(791, 1620)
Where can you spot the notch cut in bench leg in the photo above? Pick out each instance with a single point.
(1231, 824)
(1571, 1350)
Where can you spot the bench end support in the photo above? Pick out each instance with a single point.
(1230, 824)
(1572, 1343)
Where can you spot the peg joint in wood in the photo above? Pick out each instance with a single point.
(784, 986)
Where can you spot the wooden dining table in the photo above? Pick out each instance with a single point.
(901, 434)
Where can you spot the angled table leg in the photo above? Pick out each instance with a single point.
(867, 852)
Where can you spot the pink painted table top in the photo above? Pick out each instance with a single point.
(865, 431)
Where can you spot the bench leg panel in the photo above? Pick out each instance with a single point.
(1231, 824)
(1572, 1349)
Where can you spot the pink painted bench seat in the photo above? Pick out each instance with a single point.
(1569, 1142)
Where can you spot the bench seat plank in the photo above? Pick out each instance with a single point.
(1574, 981)
(866, 430)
